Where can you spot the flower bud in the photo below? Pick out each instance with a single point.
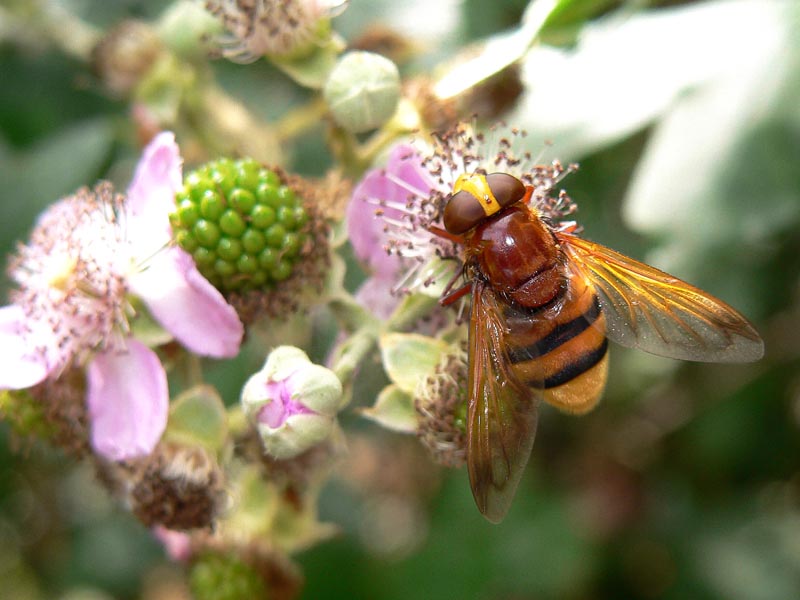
(185, 27)
(125, 55)
(362, 91)
(293, 402)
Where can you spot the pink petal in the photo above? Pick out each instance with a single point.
(177, 544)
(188, 306)
(158, 176)
(21, 366)
(151, 195)
(376, 295)
(128, 401)
(275, 413)
(365, 229)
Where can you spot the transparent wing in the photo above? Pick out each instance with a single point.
(650, 310)
(502, 413)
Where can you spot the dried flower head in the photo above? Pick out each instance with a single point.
(125, 55)
(441, 407)
(177, 487)
(270, 27)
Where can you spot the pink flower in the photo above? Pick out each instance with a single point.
(377, 210)
(392, 210)
(87, 254)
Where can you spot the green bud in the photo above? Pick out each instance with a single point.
(362, 91)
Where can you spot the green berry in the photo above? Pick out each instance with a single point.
(186, 240)
(268, 258)
(244, 228)
(286, 196)
(242, 200)
(229, 248)
(225, 577)
(291, 244)
(207, 233)
(247, 175)
(253, 241)
(267, 195)
(204, 257)
(224, 267)
(232, 223)
(262, 216)
(275, 234)
(247, 263)
(282, 270)
(188, 214)
(224, 176)
(270, 178)
(211, 205)
(285, 216)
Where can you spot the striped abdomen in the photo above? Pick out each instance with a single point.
(556, 330)
(561, 346)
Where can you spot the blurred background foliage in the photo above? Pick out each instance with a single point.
(684, 483)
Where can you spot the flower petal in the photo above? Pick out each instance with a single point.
(376, 295)
(151, 195)
(177, 544)
(128, 401)
(403, 176)
(21, 365)
(187, 305)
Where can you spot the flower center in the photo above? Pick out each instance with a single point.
(71, 278)
(275, 413)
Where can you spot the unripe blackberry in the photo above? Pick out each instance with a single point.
(244, 228)
(225, 577)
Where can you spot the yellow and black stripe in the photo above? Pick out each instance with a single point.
(561, 347)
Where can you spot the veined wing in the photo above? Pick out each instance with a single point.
(502, 411)
(650, 310)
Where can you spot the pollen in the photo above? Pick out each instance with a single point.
(70, 276)
(61, 272)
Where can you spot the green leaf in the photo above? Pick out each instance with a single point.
(575, 12)
(410, 357)
(479, 62)
(197, 416)
(394, 409)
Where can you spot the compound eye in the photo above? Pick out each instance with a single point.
(506, 188)
(462, 212)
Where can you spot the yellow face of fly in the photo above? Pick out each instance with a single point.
(477, 186)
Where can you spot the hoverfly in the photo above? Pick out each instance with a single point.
(544, 304)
